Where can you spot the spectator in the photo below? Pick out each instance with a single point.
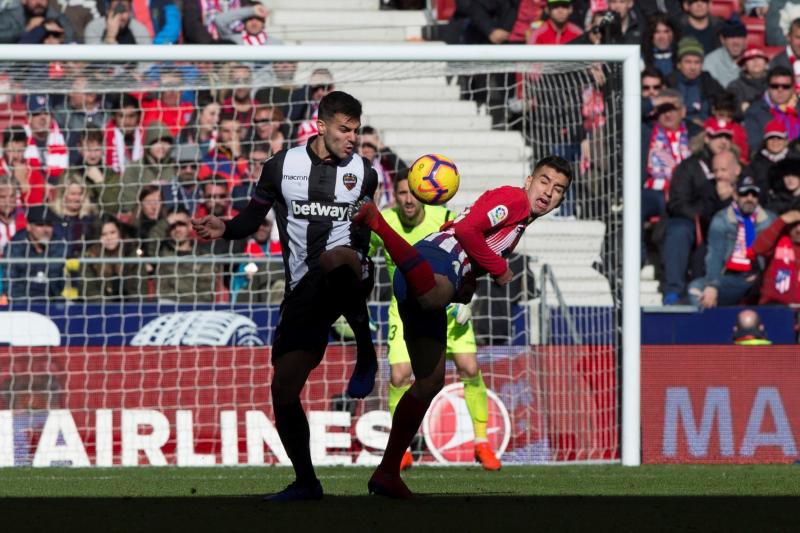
(90, 166)
(752, 81)
(749, 331)
(47, 150)
(385, 162)
(698, 88)
(162, 18)
(722, 63)
(75, 213)
(660, 46)
(108, 281)
(789, 56)
(784, 193)
(779, 102)
(199, 17)
(529, 12)
(36, 280)
(240, 103)
(31, 184)
(652, 84)
(490, 22)
(216, 199)
(226, 158)
(731, 264)
(631, 30)
(773, 150)
(167, 109)
(50, 31)
(201, 129)
(23, 16)
(280, 94)
(12, 220)
(261, 282)
(305, 104)
(118, 27)
(242, 193)
(723, 110)
(779, 244)
(149, 221)
(556, 28)
(665, 144)
(267, 121)
(180, 190)
(700, 186)
(124, 135)
(155, 167)
(81, 109)
(189, 281)
(698, 22)
(254, 19)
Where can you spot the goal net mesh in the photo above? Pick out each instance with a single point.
(130, 341)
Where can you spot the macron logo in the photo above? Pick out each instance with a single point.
(320, 211)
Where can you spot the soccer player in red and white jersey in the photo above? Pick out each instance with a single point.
(441, 269)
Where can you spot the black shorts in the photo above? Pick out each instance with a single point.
(307, 314)
(419, 323)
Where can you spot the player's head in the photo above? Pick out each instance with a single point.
(548, 183)
(338, 120)
(409, 209)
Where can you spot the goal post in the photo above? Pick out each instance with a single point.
(513, 59)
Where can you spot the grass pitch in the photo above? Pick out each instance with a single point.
(518, 498)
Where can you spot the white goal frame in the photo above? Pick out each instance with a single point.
(628, 55)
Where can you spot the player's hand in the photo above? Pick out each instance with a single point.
(209, 227)
(461, 312)
(504, 278)
(709, 297)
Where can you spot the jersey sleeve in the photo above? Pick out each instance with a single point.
(494, 208)
(269, 182)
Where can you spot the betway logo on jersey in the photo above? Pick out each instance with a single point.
(320, 211)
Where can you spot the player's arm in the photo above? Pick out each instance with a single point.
(482, 216)
(250, 218)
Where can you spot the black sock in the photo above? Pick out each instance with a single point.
(292, 426)
(347, 289)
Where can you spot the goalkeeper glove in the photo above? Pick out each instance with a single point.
(460, 312)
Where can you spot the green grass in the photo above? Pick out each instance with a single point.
(512, 481)
(531, 499)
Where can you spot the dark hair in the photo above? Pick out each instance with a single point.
(92, 133)
(725, 101)
(653, 72)
(401, 175)
(339, 102)
(228, 115)
(106, 218)
(14, 134)
(648, 52)
(147, 190)
(557, 163)
(180, 210)
(216, 180)
(368, 130)
(779, 71)
(795, 24)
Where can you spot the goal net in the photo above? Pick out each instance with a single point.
(130, 341)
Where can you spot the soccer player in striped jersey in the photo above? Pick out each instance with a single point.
(413, 221)
(441, 269)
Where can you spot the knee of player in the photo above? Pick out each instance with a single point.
(283, 392)
(468, 370)
(401, 378)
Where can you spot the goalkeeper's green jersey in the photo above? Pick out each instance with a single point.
(435, 216)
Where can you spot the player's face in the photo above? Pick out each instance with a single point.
(409, 208)
(546, 188)
(340, 134)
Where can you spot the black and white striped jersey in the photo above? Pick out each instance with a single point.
(310, 197)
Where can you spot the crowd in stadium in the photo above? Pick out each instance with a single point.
(121, 174)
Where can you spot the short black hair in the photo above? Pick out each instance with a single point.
(92, 133)
(653, 72)
(400, 175)
(780, 70)
(14, 133)
(725, 101)
(795, 24)
(368, 130)
(557, 163)
(339, 102)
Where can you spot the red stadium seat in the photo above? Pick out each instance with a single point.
(444, 9)
(11, 114)
(724, 8)
(772, 51)
(755, 31)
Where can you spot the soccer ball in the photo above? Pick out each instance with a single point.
(433, 179)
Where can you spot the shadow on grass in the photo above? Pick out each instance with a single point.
(426, 513)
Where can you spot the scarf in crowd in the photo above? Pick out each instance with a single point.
(774, 158)
(786, 270)
(56, 159)
(211, 8)
(795, 62)
(118, 155)
(741, 260)
(254, 39)
(786, 114)
(667, 149)
(35, 190)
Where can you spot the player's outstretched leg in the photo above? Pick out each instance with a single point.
(416, 270)
(290, 373)
(477, 400)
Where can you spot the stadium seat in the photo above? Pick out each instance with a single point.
(12, 114)
(755, 31)
(772, 51)
(444, 9)
(724, 8)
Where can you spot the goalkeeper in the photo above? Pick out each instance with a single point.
(414, 221)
